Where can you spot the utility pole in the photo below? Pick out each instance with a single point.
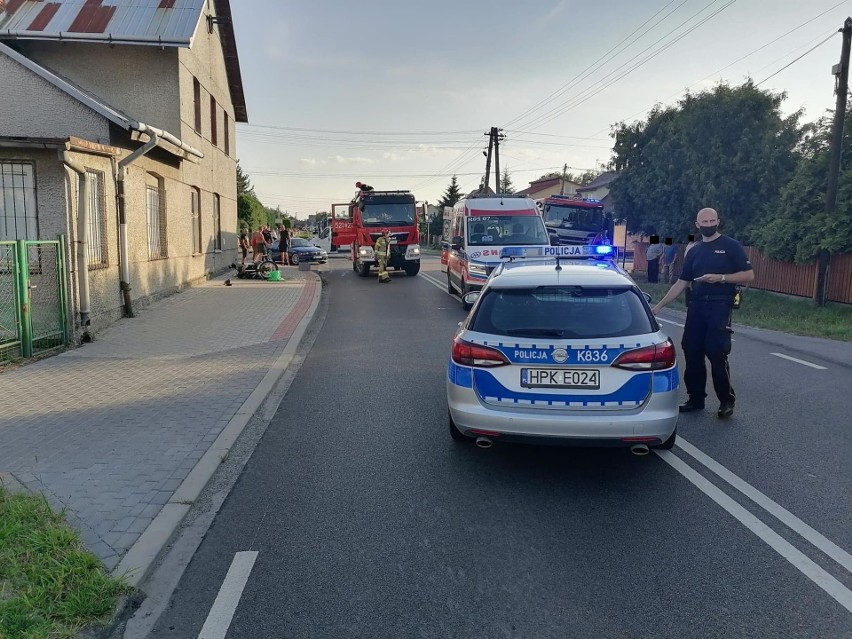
(490, 135)
(496, 134)
(564, 173)
(841, 72)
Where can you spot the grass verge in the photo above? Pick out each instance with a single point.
(763, 309)
(50, 586)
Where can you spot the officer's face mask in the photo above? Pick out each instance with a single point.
(708, 231)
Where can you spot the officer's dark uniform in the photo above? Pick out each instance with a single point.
(707, 332)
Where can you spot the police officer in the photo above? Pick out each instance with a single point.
(715, 266)
(382, 250)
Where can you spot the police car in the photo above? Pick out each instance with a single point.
(561, 347)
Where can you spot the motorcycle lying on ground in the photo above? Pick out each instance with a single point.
(255, 270)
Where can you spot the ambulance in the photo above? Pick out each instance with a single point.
(480, 228)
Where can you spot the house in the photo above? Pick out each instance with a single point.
(598, 189)
(117, 132)
(546, 187)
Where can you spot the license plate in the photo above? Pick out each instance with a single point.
(561, 378)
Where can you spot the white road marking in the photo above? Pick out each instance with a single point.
(836, 590)
(799, 361)
(433, 281)
(222, 612)
(776, 510)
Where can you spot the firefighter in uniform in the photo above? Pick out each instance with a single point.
(382, 250)
(714, 266)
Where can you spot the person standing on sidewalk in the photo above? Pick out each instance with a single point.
(258, 245)
(244, 244)
(652, 255)
(382, 249)
(284, 244)
(669, 259)
(715, 266)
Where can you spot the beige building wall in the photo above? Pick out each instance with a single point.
(570, 189)
(140, 81)
(35, 108)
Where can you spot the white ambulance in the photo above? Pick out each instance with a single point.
(480, 228)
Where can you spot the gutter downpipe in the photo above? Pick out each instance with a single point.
(82, 243)
(124, 266)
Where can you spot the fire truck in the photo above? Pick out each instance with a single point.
(573, 220)
(375, 211)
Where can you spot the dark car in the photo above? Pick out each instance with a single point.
(301, 251)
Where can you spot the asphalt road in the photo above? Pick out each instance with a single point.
(367, 520)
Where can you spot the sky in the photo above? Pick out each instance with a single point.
(401, 94)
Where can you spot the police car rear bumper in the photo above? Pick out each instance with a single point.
(657, 418)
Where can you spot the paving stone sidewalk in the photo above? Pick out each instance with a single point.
(108, 431)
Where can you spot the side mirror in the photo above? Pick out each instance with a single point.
(470, 298)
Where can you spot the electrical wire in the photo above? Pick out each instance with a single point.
(789, 64)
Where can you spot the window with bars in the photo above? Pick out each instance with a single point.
(217, 223)
(97, 250)
(156, 207)
(18, 210)
(196, 220)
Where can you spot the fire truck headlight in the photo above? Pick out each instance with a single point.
(412, 251)
(366, 252)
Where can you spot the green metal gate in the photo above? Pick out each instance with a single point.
(33, 298)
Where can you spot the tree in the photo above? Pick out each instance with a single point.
(244, 186)
(506, 185)
(250, 212)
(451, 195)
(726, 148)
(799, 228)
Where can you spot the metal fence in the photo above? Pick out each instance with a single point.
(33, 298)
(778, 276)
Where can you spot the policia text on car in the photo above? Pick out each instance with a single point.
(715, 266)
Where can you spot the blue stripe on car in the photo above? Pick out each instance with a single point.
(665, 381)
(460, 375)
(633, 391)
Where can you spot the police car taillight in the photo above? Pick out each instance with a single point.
(648, 358)
(469, 354)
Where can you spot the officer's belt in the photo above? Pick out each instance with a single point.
(713, 298)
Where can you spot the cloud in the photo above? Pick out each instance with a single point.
(339, 159)
(308, 161)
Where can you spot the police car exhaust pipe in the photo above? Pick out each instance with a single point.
(483, 442)
(640, 450)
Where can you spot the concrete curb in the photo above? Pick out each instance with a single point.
(140, 558)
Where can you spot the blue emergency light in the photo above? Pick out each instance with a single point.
(584, 251)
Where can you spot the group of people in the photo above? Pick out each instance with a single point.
(713, 267)
(661, 261)
(261, 239)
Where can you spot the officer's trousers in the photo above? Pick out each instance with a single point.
(707, 333)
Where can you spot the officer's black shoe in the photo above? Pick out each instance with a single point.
(725, 411)
(690, 405)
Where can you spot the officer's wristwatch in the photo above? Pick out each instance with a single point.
(723, 278)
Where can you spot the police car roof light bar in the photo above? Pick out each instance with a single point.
(586, 251)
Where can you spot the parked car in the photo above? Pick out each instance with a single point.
(301, 250)
(562, 351)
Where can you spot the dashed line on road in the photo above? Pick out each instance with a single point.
(773, 508)
(818, 575)
(799, 361)
(222, 613)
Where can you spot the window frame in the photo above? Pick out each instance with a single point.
(195, 209)
(214, 129)
(29, 199)
(196, 96)
(157, 222)
(217, 222)
(97, 251)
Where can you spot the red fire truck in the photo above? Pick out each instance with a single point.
(375, 211)
(342, 228)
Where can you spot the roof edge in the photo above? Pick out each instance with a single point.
(94, 37)
(232, 59)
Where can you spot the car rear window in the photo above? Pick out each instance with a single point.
(564, 312)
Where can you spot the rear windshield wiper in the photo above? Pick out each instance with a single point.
(546, 332)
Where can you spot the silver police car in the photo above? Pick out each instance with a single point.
(561, 347)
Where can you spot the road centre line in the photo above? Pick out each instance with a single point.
(222, 612)
(799, 361)
(773, 508)
(432, 281)
(799, 560)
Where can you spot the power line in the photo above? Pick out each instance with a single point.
(351, 132)
(796, 60)
(580, 99)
